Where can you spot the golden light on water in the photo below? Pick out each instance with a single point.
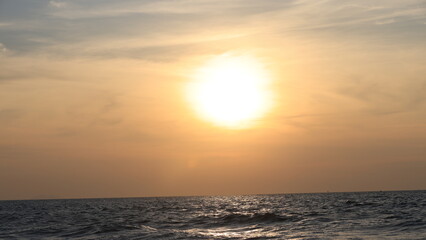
(231, 91)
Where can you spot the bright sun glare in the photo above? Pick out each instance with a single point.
(230, 91)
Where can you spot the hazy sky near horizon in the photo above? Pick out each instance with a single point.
(92, 100)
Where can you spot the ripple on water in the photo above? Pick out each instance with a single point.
(384, 215)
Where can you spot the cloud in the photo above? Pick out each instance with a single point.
(95, 28)
(386, 94)
(3, 49)
(57, 4)
(109, 8)
(385, 21)
(5, 24)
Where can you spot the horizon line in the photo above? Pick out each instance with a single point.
(212, 195)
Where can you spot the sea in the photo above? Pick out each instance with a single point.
(354, 215)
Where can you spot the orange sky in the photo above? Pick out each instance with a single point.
(93, 101)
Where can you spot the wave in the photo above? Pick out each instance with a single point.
(237, 218)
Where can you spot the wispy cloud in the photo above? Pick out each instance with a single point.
(3, 49)
(57, 4)
(92, 25)
(5, 24)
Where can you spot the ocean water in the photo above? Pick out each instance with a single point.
(361, 215)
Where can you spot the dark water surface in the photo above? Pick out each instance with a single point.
(363, 215)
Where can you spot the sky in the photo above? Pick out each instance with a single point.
(93, 101)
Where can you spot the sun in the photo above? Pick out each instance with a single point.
(230, 91)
